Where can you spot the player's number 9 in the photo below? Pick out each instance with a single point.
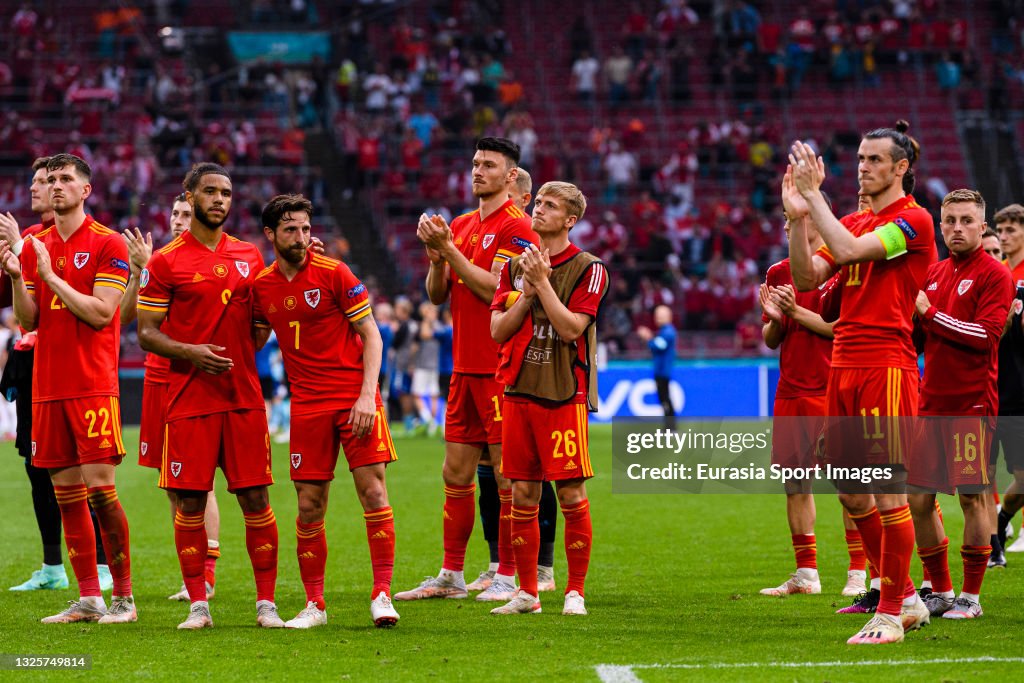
(564, 439)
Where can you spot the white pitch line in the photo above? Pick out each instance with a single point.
(623, 673)
(611, 673)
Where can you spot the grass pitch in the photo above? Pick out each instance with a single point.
(673, 594)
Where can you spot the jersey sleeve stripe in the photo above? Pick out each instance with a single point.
(112, 276)
(153, 308)
(113, 284)
(507, 252)
(262, 324)
(361, 313)
(959, 326)
(354, 309)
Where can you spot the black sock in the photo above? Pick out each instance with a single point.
(101, 554)
(44, 504)
(548, 518)
(490, 507)
(1001, 521)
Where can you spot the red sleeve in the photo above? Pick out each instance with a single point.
(504, 288)
(917, 227)
(516, 234)
(986, 327)
(112, 270)
(831, 298)
(155, 285)
(28, 266)
(590, 290)
(259, 317)
(351, 293)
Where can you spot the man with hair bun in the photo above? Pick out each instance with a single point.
(882, 254)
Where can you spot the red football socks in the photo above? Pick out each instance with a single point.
(114, 534)
(806, 549)
(897, 548)
(579, 536)
(459, 513)
(261, 542)
(212, 555)
(380, 534)
(190, 541)
(525, 541)
(506, 559)
(975, 559)
(311, 549)
(79, 537)
(936, 563)
(855, 548)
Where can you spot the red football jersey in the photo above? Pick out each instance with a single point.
(805, 357)
(970, 298)
(875, 320)
(1016, 274)
(501, 236)
(207, 296)
(73, 360)
(586, 298)
(157, 367)
(312, 317)
(5, 279)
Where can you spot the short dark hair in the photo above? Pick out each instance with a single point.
(1013, 213)
(903, 147)
(180, 197)
(990, 232)
(191, 181)
(64, 159)
(283, 204)
(40, 163)
(503, 146)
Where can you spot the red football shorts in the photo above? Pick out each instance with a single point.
(951, 453)
(315, 440)
(77, 431)
(542, 443)
(474, 413)
(795, 430)
(151, 425)
(870, 416)
(238, 441)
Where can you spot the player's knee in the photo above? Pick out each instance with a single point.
(972, 503)
(921, 505)
(252, 500)
(570, 493)
(190, 503)
(373, 496)
(855, 504)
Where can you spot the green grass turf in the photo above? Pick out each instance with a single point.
(673, 580)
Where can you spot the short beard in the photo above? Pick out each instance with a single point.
(293, 255)
(204, 218)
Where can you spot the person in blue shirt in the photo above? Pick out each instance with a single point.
(662, 344)
(443, 334)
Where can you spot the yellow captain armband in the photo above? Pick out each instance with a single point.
(513, 297)
(894, 236)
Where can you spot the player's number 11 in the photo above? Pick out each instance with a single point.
(878, 423)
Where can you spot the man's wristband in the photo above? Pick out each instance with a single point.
(17, 247)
